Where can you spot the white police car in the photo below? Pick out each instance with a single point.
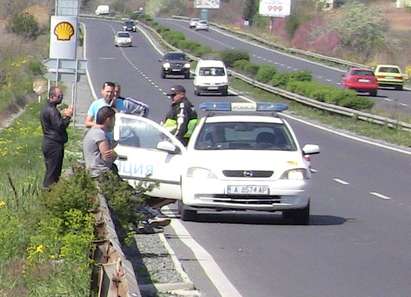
(241, 156)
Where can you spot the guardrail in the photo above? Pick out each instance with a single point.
(308, 54)
(116, 277)
(380, 120)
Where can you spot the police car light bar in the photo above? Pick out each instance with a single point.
(243, 106)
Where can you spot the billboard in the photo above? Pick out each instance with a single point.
(63, 37)
(211, 4)
(275, 8)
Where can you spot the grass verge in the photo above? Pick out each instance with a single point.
(390, 135)
(46, 237)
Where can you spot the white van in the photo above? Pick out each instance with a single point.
(103, 10)
(211, 77)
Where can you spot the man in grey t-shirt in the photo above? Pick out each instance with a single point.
(98, 154)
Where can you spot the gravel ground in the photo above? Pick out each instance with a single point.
(156, 260)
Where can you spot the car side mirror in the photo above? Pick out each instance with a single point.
(311, 149)
(168, 147)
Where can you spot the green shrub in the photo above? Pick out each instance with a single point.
(329, 94)
(36, 67)
(173, 37)
(240, 64)
(251, 69)
(265, 73)
(230, 56)
(302, 75)
(280, 79)
(201, 51)
(24, 24)
(77, 192)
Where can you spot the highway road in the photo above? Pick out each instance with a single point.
(219, 40)
(358, 242)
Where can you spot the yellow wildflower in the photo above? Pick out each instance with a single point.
(2, 204)
(40, 249)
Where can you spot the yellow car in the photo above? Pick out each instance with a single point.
(390, 76)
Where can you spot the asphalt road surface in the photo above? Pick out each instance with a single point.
(359, 241)
(388, 99)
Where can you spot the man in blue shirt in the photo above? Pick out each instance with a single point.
(107, 93)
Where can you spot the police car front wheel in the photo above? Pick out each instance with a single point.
(186, 214)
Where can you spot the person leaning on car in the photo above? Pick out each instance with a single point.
(181, 119)
(54, 127)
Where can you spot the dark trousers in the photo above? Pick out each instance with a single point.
(53, 153)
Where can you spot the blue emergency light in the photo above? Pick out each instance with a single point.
(243, 106)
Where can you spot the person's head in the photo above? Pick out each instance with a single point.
(177, 93)
(55, 95)
(117, 90)
(106, 118)
(107, 91)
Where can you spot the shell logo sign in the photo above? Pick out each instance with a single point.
(63, 37)
(64, 31)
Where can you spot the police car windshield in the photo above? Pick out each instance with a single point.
(212, 71)
(245, 136)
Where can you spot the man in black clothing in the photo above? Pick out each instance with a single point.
(54, 127)
(181, 119)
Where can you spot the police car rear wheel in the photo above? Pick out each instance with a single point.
(186, 214)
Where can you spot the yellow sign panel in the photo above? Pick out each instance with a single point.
(64, 31)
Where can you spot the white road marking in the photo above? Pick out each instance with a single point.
(340, 181)
(381, 196)
(107, 58)
(403, 104)
(313, 170)
(388, 99)
(93, 92)
(206, 261)
(329, 80)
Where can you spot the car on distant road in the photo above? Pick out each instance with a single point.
(241, 156)
(390, 76)
(201, 25)
(175, 63)
(122, 38)
(129, 25)
(193, 22)
(361, 80)
(210, 76)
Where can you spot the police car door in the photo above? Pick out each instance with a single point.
(148, 152)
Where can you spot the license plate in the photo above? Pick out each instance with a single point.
(248, 190)
(364, 80)
(176, 70)
(213, 88)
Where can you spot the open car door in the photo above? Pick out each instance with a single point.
(148, 152)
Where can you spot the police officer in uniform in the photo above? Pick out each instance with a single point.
(181, 119)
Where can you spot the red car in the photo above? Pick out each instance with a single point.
(361, 80)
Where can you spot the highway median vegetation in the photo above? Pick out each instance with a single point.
(299, 82)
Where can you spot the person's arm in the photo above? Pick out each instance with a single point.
(182, 124)
(57, 121)
(89, 122)
(107, 153)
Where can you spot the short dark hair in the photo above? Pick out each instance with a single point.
(108, 84)
(103, 114)
(52, 91)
